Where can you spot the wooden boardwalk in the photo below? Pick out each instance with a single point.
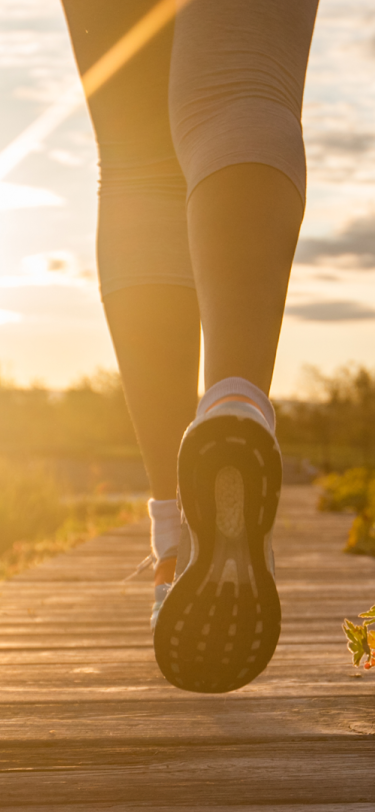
(88, 724)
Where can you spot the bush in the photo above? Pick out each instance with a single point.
(344, 491)
(30, 506)
(355, 491)
(361, 540)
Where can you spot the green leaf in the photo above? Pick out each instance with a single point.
(369, 614)
(357, 641)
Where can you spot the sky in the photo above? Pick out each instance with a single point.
(52, 327)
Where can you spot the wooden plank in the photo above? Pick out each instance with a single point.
(91, 680)
(88, 722)
(44, 630)
(313, 653)
(32, 609)
(177, 717)
(221, 775)
(174, 804)
(103, 570)
(54, 592)
(151, 691)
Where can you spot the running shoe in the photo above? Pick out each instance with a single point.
(168, 571)
(218, 624)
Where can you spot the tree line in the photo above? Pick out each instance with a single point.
(334, 426)
(88, 419)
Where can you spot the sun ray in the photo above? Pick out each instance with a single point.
(111, 62)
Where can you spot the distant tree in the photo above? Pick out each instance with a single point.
(350, 403)
(339, 411)
(90, 418)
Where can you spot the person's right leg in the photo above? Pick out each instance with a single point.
(236, 95)
(244, 222)
(237, 81)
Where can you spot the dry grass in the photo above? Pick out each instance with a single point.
(36, 523)
(98, 518)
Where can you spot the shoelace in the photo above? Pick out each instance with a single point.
(144, 565)
(150, 559)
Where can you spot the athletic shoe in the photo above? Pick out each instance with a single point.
(161, 591)
(168, 571)
(219, 623)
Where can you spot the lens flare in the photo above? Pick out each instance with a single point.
(111, 62)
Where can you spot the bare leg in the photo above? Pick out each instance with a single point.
(244, 222)
(156, 332)
(243, 225)
(142, 233)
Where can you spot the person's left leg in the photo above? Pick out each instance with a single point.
(156, 331)
(144, 263)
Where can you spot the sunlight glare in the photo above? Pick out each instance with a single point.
(15, 196)
(9, 317)
(117, 56)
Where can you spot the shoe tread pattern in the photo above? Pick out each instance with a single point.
(220, 623)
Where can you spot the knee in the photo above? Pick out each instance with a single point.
(236, 86)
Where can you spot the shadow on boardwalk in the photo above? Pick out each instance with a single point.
(88, 723)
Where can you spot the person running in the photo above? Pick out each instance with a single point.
(202, 196)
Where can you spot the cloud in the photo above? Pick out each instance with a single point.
(64, 157)
(326, 277)
(15, 196)
(61, 269)
(9, 317)
(337, 141)
(335, 151)
(32, 50)
(330, 311)
(28, 9)
(354, 247)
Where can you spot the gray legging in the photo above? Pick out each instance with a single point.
(223, 86)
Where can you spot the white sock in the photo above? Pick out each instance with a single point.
(165, 527)
(238, 386)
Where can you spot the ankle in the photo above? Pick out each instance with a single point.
(165, 528)
(232, 389)
(240, 398)
(165, 570)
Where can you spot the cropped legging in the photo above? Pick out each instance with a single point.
(223, 85)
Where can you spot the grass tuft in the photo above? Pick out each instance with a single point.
(36, 523)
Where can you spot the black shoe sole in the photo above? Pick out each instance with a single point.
(219, 624)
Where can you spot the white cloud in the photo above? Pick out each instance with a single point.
(330, 311)
(29, 10)
(57, 268)
(339, 97)
(35, 49)
(9, 317)
(64, 157)
(15, 196)
(351, 247)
